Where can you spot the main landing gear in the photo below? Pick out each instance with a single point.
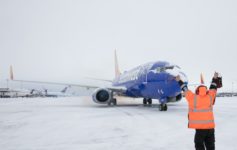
(163, 107)
(147, 101)
(113, 102)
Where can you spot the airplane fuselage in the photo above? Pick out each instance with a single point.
(154, 80)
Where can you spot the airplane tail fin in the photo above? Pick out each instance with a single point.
(202, 79)
(11, 73)
(117, 71)
(64, 90)
(32, 91)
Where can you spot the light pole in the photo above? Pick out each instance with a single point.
(7, 83)
(232, 89)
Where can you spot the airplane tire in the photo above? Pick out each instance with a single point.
(163, 107)
(144, 101)
(149, 101)
(114, 101)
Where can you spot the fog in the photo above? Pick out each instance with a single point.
(66, 40)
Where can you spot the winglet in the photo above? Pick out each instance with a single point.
(11, 73)
(201, 79)
(117, 71)
(64, 90)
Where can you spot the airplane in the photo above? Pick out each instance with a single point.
(4, 93)
(153, 80)
(14, 93)
(43, 93)
(61, 93)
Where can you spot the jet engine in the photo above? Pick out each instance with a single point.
(102, 96)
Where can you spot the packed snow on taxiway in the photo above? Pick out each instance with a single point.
(77, 123)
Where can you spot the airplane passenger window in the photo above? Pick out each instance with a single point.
(162, 69)
(169, 67)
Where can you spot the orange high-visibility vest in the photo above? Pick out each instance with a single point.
(200, 114)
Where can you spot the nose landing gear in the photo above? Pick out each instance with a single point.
(163, 104)
(163, 107)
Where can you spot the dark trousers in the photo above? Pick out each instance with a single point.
(205, 138)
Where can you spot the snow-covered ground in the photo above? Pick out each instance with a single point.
(79, 124)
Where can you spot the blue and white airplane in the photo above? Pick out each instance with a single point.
(154, 80)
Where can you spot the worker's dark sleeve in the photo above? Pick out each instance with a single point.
(213, 89)
(189, 95)
(214, 83)
(183, 86)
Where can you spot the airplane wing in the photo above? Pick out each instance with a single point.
(56, 83)
(118, 90)
(114, 89)
(97, 79)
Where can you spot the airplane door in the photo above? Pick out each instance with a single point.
(143, 74)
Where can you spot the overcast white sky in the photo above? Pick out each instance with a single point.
(64, 40)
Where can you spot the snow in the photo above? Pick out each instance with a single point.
(78, 123)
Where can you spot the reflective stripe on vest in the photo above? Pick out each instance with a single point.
(201, 110)
(201, 121)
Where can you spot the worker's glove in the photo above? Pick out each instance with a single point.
(219, 82)
(182, 85)
(216, 81)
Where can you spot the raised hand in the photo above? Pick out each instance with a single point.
(215, 75)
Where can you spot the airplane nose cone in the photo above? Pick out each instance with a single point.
(183, 77)
(175, 72)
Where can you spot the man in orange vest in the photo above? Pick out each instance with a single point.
(200, 114)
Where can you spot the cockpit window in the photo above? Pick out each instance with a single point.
(172, 67)
(160, 69)
(164, 68)
(169, 67)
